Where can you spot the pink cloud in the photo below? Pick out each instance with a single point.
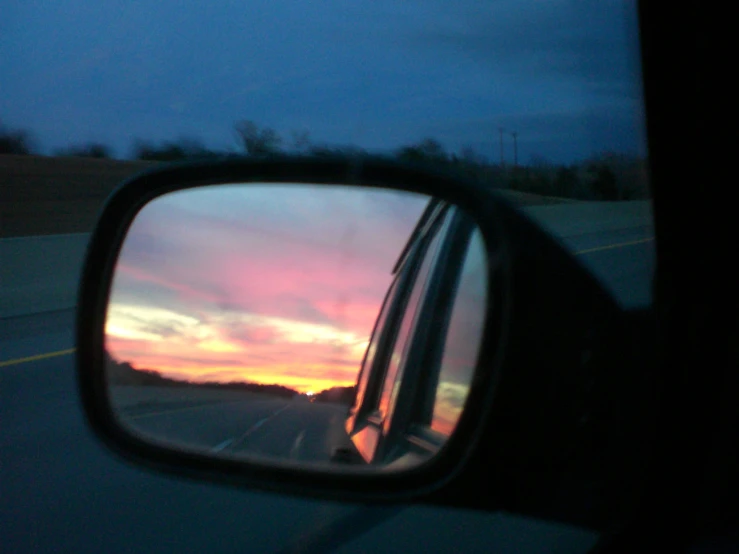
(252, 334)
(214, 267)
(150, 275)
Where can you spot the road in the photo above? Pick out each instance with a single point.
(624, 262)
(235, 423)
(61, 490)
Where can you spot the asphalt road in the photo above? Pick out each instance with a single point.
(61, 490)
(624, 262)
(237, 424)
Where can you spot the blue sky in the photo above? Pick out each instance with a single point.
(563, 74)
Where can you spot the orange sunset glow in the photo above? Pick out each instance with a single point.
(213, 284)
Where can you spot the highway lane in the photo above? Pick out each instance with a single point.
(300, 431)
(60, 489)
(258, 425)
(624, 261)
(33, 335)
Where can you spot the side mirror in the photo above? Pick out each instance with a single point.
(343, 328)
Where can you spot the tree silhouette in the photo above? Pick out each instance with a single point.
(301, 141)
(470, 156)
(256, 141)
(169, 151)
(123, 373)
(14, 141)
(338, 395)
(429, 150)
(336, 150)
(566, 182)
(470, 164)
(602, 181)
(630, 173)
(92, 150)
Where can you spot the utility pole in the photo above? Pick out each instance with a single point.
(502, 159)
(515, 149)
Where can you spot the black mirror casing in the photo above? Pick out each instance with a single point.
(533, 282)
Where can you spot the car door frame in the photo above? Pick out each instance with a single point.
(409, 431)
(401, 431)
(364, 424)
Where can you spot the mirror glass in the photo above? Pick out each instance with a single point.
(240, 315)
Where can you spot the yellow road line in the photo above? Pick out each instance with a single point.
(37, 357)
(608, 247)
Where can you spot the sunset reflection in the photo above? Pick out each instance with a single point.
(262, 284)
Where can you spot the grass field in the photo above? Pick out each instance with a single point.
(47, 195)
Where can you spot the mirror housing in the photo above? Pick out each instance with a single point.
(521, 429)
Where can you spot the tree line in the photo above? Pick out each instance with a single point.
(122, 373)
(605, 176)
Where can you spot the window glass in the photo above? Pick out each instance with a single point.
(396, 362)
(372, 349)
(464, 335)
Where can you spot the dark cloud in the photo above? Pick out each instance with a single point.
(189, 361)
(369, 73)
(592, 42)
(221, 375)
(564, 74)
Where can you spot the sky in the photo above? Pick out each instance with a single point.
(225, 283)
(563, 74)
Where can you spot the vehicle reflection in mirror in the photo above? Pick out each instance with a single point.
(423, 353)
(240, 316)
(463, 339)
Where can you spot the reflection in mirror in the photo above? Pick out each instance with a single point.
(463, 339)
(421, 362)
(239, 314)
